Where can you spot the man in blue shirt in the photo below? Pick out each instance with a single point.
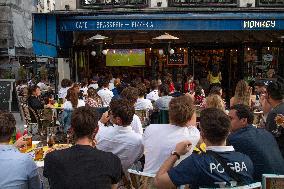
(257, 143)
(205, 170)
(17, 170)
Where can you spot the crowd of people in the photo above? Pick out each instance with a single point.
(237, 152)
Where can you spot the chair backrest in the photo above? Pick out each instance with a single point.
(135, 179)
(164, 117)
(271, 181)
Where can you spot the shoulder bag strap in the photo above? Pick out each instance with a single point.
(228, 170)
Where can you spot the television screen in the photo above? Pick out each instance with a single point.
(125, 57)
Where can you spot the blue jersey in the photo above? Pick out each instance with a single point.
(203, 170)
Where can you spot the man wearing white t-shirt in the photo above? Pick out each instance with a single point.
(120, 139)
(131, 94)
(105, 94)
(154, 94)
(159, 140)
(142, 103)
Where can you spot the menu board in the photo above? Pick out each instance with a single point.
(6, 89)
(179, 58)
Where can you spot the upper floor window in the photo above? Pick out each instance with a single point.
(202, 3)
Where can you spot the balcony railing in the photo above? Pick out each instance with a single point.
(202, 3)
(100, 4)
(271, 3)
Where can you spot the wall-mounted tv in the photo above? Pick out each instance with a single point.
(125, 57)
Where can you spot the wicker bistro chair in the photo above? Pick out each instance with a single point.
(142, 180)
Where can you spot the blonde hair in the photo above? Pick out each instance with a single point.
(215, 101)
(242, 94)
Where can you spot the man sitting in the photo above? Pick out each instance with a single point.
(142, 103)
(17, 170)
(131, 95)
(275, 99)
(258, 144)
(120, 139)
(154, 94)
(160, 139)
(82, 165)
(210, 169)
(105, 94)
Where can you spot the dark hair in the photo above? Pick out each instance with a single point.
(215, 70)
(154, 84)
(178, 86)
(84, 121)
(131, 94)
(259, 83)
(181, 110)
(243, 111)
(7, 126)
(141, 89)
(73, 97)
(65, 83)
(215, 90)
(122, 108)
(215, 125)
(32, 89)
(164, 89)
(105, 82)
(275, 90)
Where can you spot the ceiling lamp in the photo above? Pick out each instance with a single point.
(166, 36)
(104, 52)
(93, 53)
(97, 37)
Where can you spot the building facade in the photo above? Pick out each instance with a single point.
(244, 38)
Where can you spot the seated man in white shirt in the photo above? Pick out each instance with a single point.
(131, 94)
(120, 139)
(159, 140)
(142, 103)
(42, 85)
(154, 94)
(105, 94)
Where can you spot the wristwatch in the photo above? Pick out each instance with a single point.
(175, 154)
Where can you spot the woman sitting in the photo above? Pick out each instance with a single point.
(215, 101)
(242, 94)
(35, 103)
(93, 99)
(72, 102)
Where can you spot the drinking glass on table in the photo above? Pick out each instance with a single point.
(39, 152)
(28, 138)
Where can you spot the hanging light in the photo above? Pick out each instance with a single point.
(93, 53)
(172, 51)
(161, 52)
(104, 52)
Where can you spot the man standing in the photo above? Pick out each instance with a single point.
(219, 166)
(275, 99)
(258, 144)
(17, 170)
(105, 94)
(82, 165)
(120, 139)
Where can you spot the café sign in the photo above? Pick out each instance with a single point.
(259, 24)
